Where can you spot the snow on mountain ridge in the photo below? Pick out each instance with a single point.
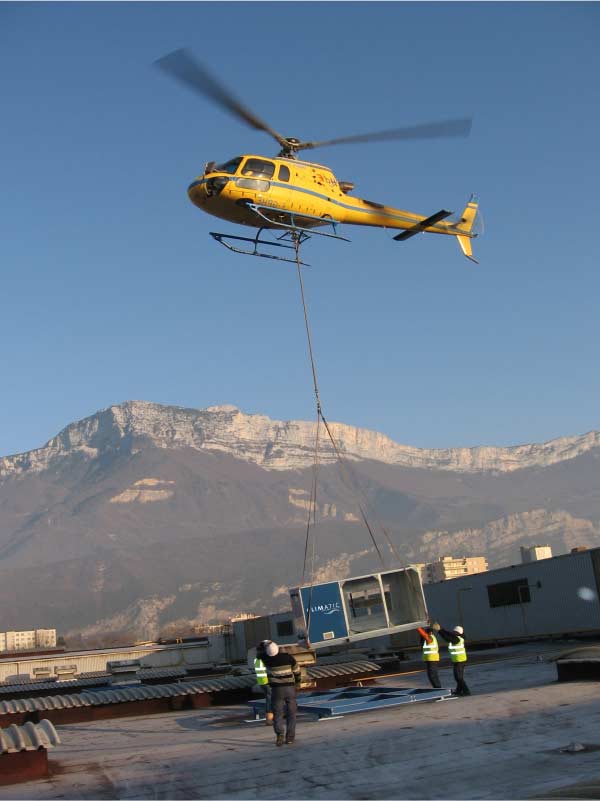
(273, 444)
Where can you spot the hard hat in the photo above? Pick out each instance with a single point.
(459, 629)
(272, 649)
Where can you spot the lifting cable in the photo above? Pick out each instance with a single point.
(341, 460)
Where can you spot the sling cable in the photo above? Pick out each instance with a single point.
(345, 470)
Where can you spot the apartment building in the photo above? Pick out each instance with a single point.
(533, 553)
(449, 567)
(27, 640)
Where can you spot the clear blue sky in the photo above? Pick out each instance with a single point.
(112, 288)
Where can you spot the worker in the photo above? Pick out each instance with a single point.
(431, 655)
(262, 680)
(283, 674)
(458, 655)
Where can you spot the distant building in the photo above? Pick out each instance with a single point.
(450, 567)
(45, 638)
(27, 640)
(533, 553)
(20, 640)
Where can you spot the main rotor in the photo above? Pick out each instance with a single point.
(182, 66)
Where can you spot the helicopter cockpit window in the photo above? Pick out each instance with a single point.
(284, 173)
(256, 184)
(229, 167)
(259, 168)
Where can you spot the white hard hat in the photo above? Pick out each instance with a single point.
(272, 649)
(459, 629)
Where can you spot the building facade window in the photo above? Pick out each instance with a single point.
(509, 593)
(285, 628)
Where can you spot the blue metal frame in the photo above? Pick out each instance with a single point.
(333, 703)
(292, 225)
(256, 241)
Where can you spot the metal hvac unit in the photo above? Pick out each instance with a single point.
(359, 608)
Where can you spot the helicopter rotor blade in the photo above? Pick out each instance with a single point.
(182, 66)
(431, 130)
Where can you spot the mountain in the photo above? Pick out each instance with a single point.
(144, 516)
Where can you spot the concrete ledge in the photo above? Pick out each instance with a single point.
(23, 766)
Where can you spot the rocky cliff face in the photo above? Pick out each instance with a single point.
(143, 516)
(273, 444)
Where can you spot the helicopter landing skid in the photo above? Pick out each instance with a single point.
(270, 214)
(257, 243)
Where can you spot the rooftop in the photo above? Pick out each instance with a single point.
(506, 741)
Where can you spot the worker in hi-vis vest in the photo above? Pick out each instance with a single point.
(431, 655)
(458, 655)
(262, 679)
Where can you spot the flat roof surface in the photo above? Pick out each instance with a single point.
(503, 742)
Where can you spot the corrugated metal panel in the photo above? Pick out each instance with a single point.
(28, 737)
(161, 673)
(138, 692)
(556, 606)
(225, 683)
(103, 680)
(336, 659)
(348, 669)
(112, 696)
(57, 686)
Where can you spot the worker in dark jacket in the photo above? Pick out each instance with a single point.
(284, 677)
(431, 655)
(458, 655)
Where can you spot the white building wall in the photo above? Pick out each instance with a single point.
(563, 599)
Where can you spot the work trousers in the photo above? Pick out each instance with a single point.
(458, 669)
(266, 688)
(284, 698)
(433, 675)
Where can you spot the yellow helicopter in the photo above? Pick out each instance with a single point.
(297, 196)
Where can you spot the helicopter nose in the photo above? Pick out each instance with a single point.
(197, 192)
(214, 186)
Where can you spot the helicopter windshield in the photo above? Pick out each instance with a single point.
(230, 166)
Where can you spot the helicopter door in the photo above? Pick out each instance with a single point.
(282, 194)
(254, 181)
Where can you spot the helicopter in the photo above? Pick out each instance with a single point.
(298, 197)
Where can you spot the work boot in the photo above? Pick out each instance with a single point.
(279, 740)
(289, 741)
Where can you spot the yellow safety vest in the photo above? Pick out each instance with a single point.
(261, 672)
(458, 652)
(431, 650)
